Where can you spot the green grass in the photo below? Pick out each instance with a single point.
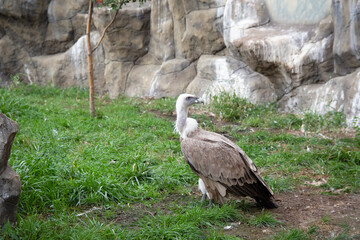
(265, 219)
(230, 107)
(188, 223)
(70, 159)
(293, 234)
(129, 154)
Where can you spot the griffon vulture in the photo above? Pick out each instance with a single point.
(222, 166)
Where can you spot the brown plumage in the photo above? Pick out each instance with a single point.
(222, 165)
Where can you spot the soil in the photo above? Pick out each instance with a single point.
(307, 207)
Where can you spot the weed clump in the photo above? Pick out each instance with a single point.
(330, 120)
(231, 107)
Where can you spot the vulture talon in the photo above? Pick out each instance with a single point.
(210, 204)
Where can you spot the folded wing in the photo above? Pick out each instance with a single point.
(224, 167)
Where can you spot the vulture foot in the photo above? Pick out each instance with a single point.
(210, 204)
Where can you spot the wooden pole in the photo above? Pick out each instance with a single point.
(90, 62)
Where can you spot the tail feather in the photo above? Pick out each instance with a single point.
(267, 203)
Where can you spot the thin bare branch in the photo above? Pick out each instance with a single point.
(103, 34)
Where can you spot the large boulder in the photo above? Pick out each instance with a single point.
(161, 45)
(347, 35)
(126, 40)
(59, 36)
(180, 33)
(10, 185)
(140, 79)
(116, 74)
(67, 22)
(197, 27)
(341, 94)
(172, 78)
(203, 33)
(65, 9)
(15, 58)
(71, 67)
(240, 15)
(128, 37)
(24, 21)
(288, 55)
(185, 29)
(33, 10)
(218, 73)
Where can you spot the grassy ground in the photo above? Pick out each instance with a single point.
(121, 175)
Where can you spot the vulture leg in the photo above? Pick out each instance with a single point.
(210, 203)
(203, 198)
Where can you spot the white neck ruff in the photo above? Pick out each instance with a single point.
(190, 126)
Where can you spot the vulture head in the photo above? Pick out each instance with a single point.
(186, 100)
(185, 125)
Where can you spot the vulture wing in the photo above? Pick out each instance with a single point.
(224, 167)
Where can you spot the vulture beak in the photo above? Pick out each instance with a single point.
(198, 100)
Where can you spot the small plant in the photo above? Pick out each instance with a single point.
(15, 79)
(312, 121)
(356, 124)
(326, 219)
(231, 107)
(330, 120)
(313, 230)
(293, 234)
(335, 119)
(264, 220)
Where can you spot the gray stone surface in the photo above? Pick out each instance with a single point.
(347, 35)
(288, 56)
(33, 10)
(140, 79)
(161, 45)
(339, 94)
(128, 37)
(115, 76)
(10, 186)
(219, 73)
(172, 78)
(71, 68)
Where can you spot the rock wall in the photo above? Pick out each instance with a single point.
(264, 50)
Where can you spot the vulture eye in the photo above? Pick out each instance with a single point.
(188, 98)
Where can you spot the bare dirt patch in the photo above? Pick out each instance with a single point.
(307, 208)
